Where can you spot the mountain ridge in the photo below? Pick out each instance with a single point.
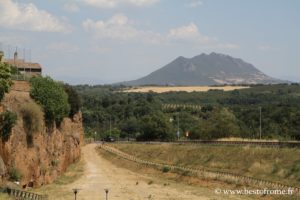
(205, 69)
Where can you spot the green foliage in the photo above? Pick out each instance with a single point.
(15, 174)
(166, 169)
(7, 121)
(114, 133)
(5, 79)
(14, 70)
(73, 99)
(52, 97)
(33, 120)
(221, 123)
(156, 127)
(222, 114)
(33, 117)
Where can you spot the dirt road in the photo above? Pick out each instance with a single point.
(122, 184)
(126, 185)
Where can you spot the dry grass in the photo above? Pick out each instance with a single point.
(279, 165)
(57, 190)
(162, 89)
(5, 197)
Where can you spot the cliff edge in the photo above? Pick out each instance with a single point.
(48, 154)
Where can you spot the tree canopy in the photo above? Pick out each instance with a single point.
(52, 97)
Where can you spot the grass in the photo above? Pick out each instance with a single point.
(273, 164)
(56, 190)
(5, 197)
(72, 174)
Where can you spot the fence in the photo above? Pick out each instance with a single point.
(206, 173)
(24, 195)
(274, 144)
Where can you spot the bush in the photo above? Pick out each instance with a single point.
(7, 121)
(52, 97)
(33, 118)
(73, 99)
(15, 174)
(166, 169)
(5, 79)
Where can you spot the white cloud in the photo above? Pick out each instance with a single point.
(119, 27)
(62, 47)
(265, 47)
(189, 33)
(115, 3)
(28, 17)
(229, 46)
(71, 7)
(194, 3)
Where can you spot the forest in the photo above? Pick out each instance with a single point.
(107, 111)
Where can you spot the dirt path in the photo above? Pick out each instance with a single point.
(100, 174)
(122, 183)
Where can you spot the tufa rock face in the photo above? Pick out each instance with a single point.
(50, 153)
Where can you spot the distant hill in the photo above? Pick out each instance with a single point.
(205, 69)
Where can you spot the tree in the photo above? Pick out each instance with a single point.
(73, 99)
(130, 127)
(5, 79)
(156, 127)
(7, 121)
(52, 97)
(221, 123)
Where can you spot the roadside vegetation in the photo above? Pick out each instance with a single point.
(59, 189)
(52, 97)
(222, 114)
(278, 165)
(7, 118)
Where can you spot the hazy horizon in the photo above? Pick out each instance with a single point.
(108, 41)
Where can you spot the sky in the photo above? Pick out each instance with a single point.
(107, 41)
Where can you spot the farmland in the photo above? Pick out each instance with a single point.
(163, 89)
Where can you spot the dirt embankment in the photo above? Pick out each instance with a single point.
(49, 153)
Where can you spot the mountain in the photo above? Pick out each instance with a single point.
(205, 69)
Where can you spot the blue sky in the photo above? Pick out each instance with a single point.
(105, 41)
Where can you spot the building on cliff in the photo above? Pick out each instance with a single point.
(27, 68)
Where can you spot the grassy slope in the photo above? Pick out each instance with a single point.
(57, 190)
(5, 197)
(280, 165)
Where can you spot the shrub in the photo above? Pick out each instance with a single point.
(33, 118)
(7, 121)
(52, 97)
(73, 99)
(166, 169)
(15, 174)
(5, 79)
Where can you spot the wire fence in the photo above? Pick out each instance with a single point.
(24, 195)
(206, 173)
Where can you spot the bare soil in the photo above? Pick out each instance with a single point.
(124, 184)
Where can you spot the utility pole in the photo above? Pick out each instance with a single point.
(110, 126)
(260, 123)
(178, 133)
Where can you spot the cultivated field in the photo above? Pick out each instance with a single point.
(162, 89)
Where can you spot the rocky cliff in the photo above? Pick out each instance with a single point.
(50, 152)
